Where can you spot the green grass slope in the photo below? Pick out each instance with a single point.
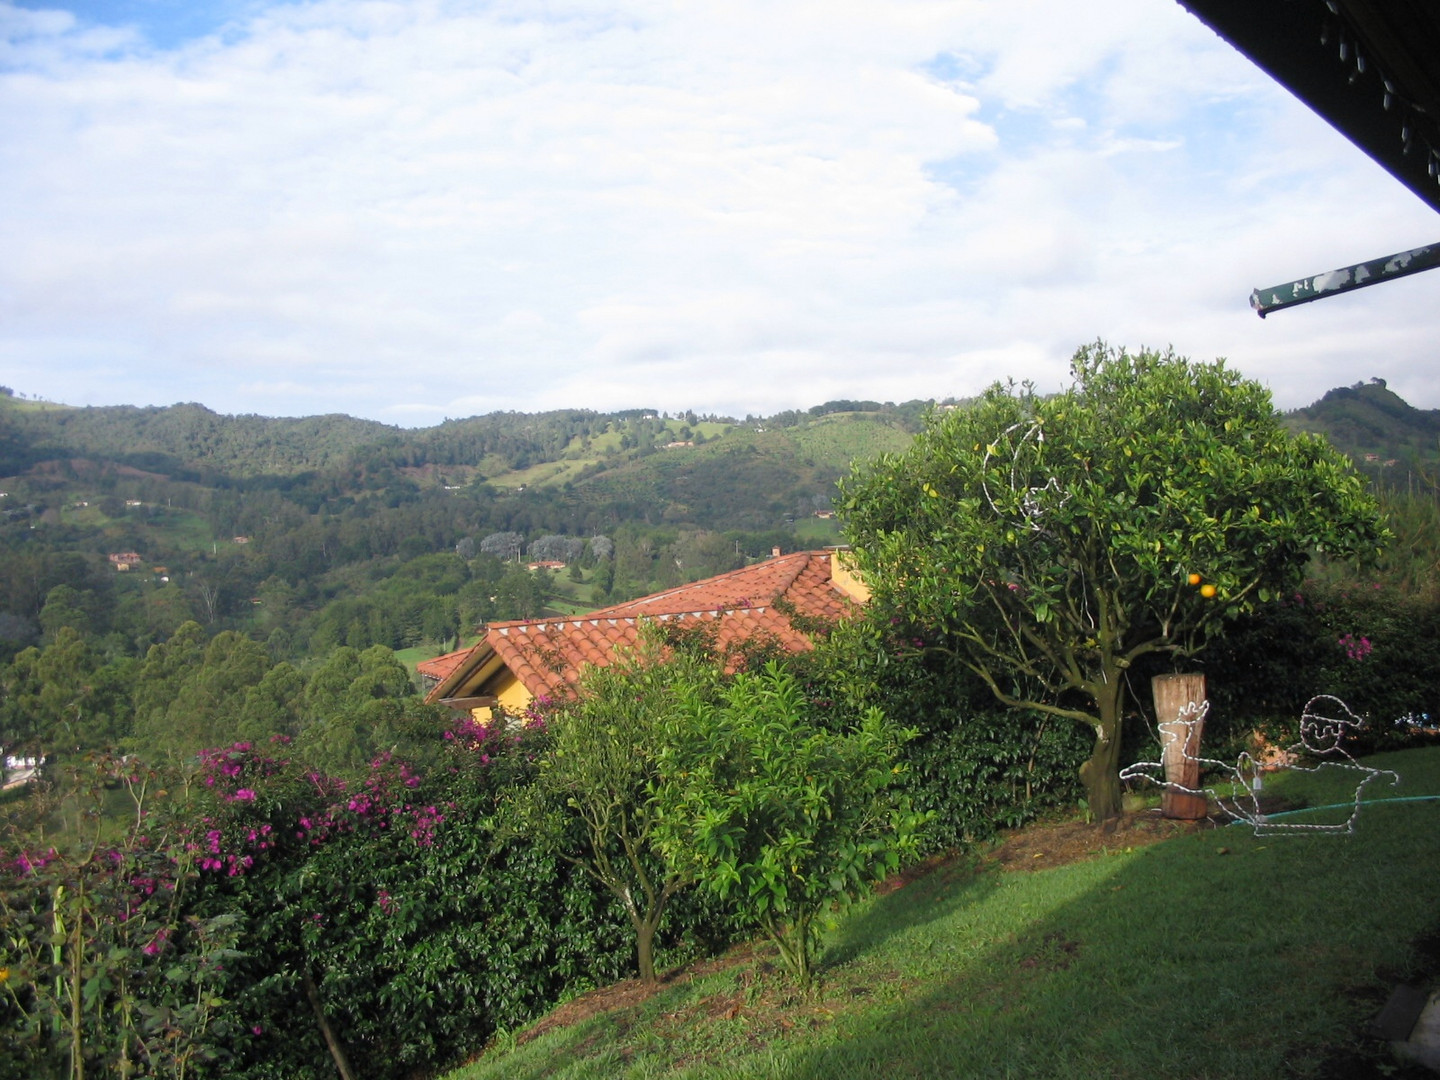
(747, 479)
(1211, 954)
(839, 439)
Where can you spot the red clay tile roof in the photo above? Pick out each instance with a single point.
(440, 668)
(547, 655)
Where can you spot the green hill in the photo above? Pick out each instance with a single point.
(186, 437)
(751, 478)
(266, 524)
(1376, 427)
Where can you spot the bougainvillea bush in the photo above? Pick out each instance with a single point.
(306, 923)
(103, 969)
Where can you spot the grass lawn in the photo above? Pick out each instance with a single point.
(818, 532)
(1211, 953)
(571, 597)
(416, 653)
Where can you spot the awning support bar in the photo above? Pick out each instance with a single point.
(1358, 276)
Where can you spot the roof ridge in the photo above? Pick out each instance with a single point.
(802, 559)
(742, 602)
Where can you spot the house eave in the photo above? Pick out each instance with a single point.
(1366, 66)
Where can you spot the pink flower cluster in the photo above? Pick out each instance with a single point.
(472, 734)
(225, 768)
(485, 739)
(158, 942)
(426, 819)
(33, 862)
(371, 806)
(234, 863)
(1356, 648)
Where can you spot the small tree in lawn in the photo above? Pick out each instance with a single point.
(786, 817)
(602, 760)
(1053, 541)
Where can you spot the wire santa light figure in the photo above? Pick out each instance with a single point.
(1321, 740)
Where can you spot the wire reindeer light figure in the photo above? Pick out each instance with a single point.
(1321, 737)
(1035, 502)
(1032, 501)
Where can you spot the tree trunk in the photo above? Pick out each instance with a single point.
(332, 1041)
(1101, 774)
(645, 950)
(1178, 701)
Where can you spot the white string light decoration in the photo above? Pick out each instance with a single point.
(1321, 737)
(1418, 724)
(1032, 502)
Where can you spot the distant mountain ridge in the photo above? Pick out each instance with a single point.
(601, 456)
(703, 471)
(1374, 425)
(184, 437)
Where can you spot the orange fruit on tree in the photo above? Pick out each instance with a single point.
(1207, 591)
(1194, 579)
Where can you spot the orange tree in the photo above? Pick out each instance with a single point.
(771, 811)
(1051, 542)
(603, 755)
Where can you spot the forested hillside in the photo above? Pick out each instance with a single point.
(1393, 442)
(321, 532)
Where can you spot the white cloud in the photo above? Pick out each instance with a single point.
(414, 210)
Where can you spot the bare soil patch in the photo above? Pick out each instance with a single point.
(1037, 847)
(632, 992)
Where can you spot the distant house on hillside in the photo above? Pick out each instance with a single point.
(20, 770)
(123, 560)
(521, 660)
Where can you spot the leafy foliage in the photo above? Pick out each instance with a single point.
(1372, 644)
(1053, 542)
(603, 757)
(101, 968)
(288, 918)
(785, 817)
(974, 766)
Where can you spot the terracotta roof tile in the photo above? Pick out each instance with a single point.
(440, 667)
(548, 655)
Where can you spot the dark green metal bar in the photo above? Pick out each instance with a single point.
(1359, 276)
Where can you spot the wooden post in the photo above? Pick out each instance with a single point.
(1178, 700)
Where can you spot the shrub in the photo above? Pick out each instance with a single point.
(1373, 645)
(976, 766)
(601, 761)
(777, 814)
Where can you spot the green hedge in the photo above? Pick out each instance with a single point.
(425, 925)
(1374, 646)
(980, 767)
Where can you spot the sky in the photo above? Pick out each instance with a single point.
(441, 208)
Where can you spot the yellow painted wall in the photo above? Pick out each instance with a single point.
(847, 579)
(509, 693)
